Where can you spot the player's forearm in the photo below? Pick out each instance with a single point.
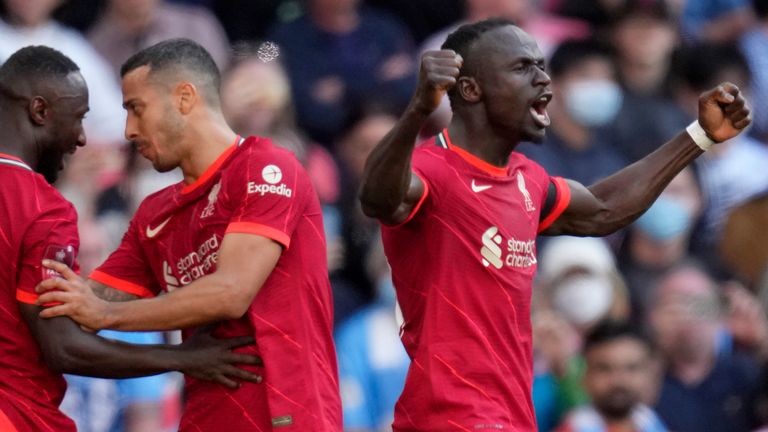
(68, 349)
(628, 193)
(208, 299)
(91, 355)
(387, 174)
(108, 293)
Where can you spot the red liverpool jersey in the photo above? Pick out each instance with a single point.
(463, 267)
(33, 216)
(174, 238)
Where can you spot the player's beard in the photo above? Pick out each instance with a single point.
(171, 136)
(48, 161)
(617, 404)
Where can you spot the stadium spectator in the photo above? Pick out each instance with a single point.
(127, 26)
(338, 56)
(733, 172)
(620, 371)
(580, 286)
(753, 45)
(715, 20)
(644, 35)
(702, 391)
(353, 283)
(659, 240)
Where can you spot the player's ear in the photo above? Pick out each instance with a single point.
(186, 96)
(38, 110)
(469, 89)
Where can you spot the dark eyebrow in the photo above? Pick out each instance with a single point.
(528, 60)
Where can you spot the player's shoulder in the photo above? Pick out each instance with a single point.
(48, 197)
(261, 151)
(518, 160)
(158, 201)
(428, 153)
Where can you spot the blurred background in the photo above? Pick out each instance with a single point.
(328, 78)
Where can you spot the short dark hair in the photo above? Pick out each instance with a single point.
(572, 52)
(611, 330)
(698, 66)
(183, 54)
(35, 62)
(658, 10)
(462, 39)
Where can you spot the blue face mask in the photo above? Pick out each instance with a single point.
(664, 220)
(593, 103)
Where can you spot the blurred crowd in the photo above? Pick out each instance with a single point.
(659, 327)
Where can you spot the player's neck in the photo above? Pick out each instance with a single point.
(13, 142)
(206, 145)
(14, 151)
(481, 141)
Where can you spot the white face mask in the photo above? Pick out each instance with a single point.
(583, 299)
(593, 103)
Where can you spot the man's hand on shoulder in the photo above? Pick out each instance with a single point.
(723, 112)
(71, 296)
(439, 72)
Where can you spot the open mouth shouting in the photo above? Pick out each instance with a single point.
(539, 110)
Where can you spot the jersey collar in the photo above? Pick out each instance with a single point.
(444, 141)
(7, 159)
(211, 170)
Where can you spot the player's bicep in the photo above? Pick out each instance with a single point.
(245, 261)
(414, 198)
(108, 293)
(578, 217)
(53, 335)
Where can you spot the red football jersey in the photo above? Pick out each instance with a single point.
(33, 216)
(463, 267)
(174, 238)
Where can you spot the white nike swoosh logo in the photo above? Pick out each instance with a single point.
(477, 188)
(153, 232)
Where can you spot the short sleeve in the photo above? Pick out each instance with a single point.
(556, 201)
(421, 168)
(57, 226)
(127, 268)
(270, 196)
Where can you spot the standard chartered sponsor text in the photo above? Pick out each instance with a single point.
(198, 263)
(521, 253)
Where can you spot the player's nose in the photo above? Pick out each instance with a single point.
(81, 139)
(542, 78)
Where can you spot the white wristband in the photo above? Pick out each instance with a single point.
(699, 136)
